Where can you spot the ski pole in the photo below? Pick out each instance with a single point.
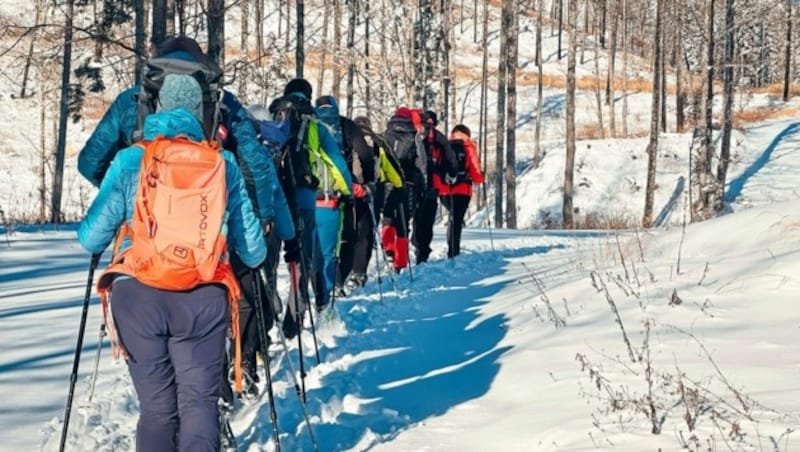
(378, 247)
(403, 220)
(262, 336)
(101, 335)
(301, 389)
(297, 385)
(451, 229)
(76, 362)
(310, 312)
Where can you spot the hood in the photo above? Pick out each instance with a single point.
(401, 124)
(173, 123)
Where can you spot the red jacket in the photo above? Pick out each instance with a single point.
(473, 169)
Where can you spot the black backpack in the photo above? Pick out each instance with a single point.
(405, 143)
(294, 156)
(460, 152)
(208, 76)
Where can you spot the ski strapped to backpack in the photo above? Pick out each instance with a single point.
(207, 75)
(178, 228)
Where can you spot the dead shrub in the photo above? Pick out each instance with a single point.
(606, 221)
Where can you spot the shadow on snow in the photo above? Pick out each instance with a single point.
(403, 361)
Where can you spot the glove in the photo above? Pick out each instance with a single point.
(291, 250)
(360, 191)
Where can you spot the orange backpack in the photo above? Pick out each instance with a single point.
(176, 230)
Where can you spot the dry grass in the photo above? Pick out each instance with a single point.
(744, 117)
(592, 131)
(776, 89)
(606, 221)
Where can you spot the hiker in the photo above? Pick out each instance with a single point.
(171, 320)
(272, 138)
(389, 180)
(402, 138)
(439, 160)
(455, 192)
(225, 121)
(315, 174)
(357, 222)
(122, 121)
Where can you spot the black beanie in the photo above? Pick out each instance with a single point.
(429, 115)
(182, 43)
(463, 129)
(298, 85)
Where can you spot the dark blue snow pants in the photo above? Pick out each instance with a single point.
(176, 346)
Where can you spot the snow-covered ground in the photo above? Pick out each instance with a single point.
(514, 345)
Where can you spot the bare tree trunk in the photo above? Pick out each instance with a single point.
(244, 8)
(655, 110)
(171, 17)
(610, 101)
(29, 56)
(159, 25)
(216, 31)
(259, 28)
(42, 156)
(626, 50)
(727, 124)
(560, 24)
(680, 95)
(351, 61)
(603, 9)
(787, 71)
(324, 45)
(598, 95)
(139, 16)
(512, 42)
(180, 10)
(61, 145)
(704, 162)
(662, 87)
(484, 124)
(288, 17)
(367, 74)
(337, 49)
(537, 149)
(502, 78)
(567, 213)
(585, 33)
(299, 50)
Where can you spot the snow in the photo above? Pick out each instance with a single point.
(513, 345)
(485, 351)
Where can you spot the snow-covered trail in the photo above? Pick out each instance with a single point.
(372, 358)
(772, 174)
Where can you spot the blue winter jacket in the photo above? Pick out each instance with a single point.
(115, 198)
(115, 132)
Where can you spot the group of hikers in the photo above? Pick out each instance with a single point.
(199, 193)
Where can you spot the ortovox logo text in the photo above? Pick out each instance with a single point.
(203, 222)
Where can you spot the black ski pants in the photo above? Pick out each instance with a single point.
(457, 206)
(424, 217)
